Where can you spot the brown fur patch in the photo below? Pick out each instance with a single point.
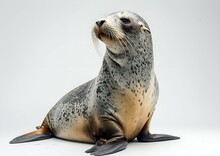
(134, 109)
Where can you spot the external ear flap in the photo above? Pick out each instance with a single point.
(143, 28)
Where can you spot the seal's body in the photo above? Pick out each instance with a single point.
(118, 104)
(78, 113)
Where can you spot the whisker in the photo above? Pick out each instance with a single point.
(96, 44)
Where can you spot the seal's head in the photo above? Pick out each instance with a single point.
(121, 30)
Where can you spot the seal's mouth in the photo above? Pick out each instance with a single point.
(112, 37)
(109, 35)
(105, 35)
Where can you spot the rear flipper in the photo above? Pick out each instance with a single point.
(41, 133)
(146, 136)
(156, 137)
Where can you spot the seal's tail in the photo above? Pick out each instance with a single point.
(40, 134)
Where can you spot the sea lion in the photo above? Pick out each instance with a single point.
(117, 106)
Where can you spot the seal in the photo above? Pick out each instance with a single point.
(117, 106)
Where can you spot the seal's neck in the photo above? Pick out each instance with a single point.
(140, 54)
(130, 67)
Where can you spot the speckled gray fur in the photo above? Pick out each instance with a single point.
(131, 68)
(117, 106)
(73, 105)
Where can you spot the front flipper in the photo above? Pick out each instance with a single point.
(110, 138)
(103, 147)
(146, 136)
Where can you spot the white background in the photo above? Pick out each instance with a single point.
(46, 50)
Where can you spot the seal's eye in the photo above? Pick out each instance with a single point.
(125, 20)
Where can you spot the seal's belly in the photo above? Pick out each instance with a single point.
(135, 109)
(76, 131)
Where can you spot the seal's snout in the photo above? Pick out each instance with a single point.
(100, 22)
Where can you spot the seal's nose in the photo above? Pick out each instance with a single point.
(100, 22)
